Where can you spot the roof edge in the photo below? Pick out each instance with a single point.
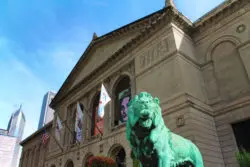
(48, 125)
(213, 12)
(176, 14)
(97, 40)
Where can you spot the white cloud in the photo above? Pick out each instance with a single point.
(24, 79)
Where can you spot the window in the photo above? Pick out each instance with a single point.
(94, 121)
(242, 134)
(69, 163)
(229, 70)
(122, 97)
(86, 160)
(119, 155)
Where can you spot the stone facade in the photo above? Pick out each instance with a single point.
(200, 71)
(34, 152)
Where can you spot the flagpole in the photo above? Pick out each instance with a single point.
(91, 120)
(65, 122)
(70, 131)
(57, 142)
(87, 111)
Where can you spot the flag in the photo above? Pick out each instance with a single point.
(104, 99)
(45, 138)
(79, 122)
(58, 128)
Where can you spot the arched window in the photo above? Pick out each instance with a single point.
(94, 129)
(229, 70)
(86, 159)
(117, 152)
(122, 96)
(72, 117)
(69, 163)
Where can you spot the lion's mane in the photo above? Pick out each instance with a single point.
(151, 141)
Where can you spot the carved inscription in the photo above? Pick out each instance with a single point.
(154, 53)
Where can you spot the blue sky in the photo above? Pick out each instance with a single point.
(41, 40)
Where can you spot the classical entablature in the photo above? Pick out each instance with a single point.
(125, 39)
(133, 36)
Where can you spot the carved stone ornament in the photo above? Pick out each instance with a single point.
(180, 121)
(241, 28)
(152, 143)
(101, 148)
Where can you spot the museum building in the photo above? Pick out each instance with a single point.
(199, 70)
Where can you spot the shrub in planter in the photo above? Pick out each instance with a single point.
(243, 158)
(101, 161)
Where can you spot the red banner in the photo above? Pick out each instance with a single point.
(99, 123)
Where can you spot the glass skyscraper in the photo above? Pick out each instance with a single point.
(16, 124)
(47, 113)
(10, 139)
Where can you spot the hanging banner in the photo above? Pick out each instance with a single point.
(58, 128)
(99, 123)
(79, 122)
(104, 99)
(124, 98)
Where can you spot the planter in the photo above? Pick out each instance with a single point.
(101, 161)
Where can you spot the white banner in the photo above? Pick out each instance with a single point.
(79, 123)
(104, 99)
(58, 128)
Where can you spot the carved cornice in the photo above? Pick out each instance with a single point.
(147, 25)
(168, 15)
(134, 26)
(219, 13)
(36, 133)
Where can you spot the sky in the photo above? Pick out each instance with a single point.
(41, 41)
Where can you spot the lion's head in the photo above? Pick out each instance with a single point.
(144, 114)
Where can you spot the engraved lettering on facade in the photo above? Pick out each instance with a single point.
(154, 53)
(142, 61)
(148, 58)
(166, 46)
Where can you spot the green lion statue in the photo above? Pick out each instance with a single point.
(152, 143)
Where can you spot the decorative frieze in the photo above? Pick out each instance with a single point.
(154, 54)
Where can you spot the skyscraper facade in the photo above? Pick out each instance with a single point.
(47, 113)
(16, 124)
(10, 139)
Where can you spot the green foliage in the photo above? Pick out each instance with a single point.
(243, 158)
(136, 162)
